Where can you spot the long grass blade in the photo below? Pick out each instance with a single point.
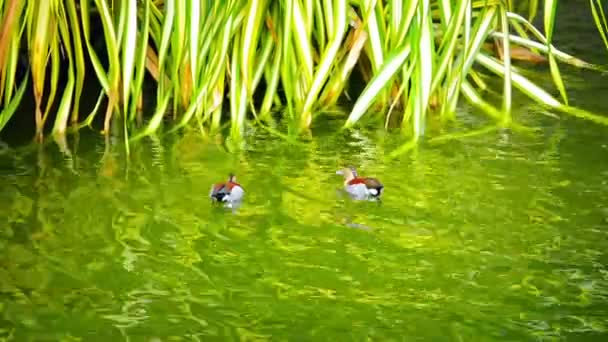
(10, 108)
(128, 52)
(600, 20)
(382, 78)
(78, 56)
(326, 61)
(550, 9)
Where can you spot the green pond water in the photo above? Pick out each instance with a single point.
(501, 236)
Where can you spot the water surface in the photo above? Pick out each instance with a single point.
(496, 237)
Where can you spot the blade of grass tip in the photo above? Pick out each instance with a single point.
(79, 58)
(506, 48)
(267, 46)
(9, 109)
(55, 70)
(97, 66)
(550, 9)
(91, 115)
(326, 61)
(380, 80)
(129, 44)
(199, 96)
(536, 93)
(522, 83)
(140, 67)
(63, 111)
(473, 97)
(480, 83)
(114, 62)
(602, 26)
(518, 19)
(562, 56)
(519, 28)
(157, 117)
(583, 114)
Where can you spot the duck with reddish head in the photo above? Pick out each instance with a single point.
(230, 192)
(361, 188)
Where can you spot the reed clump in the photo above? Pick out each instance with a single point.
(295, 56)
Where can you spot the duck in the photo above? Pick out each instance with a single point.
(361, 188)
(229, 192)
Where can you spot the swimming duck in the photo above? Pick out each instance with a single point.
(229, 192)
(361, 188)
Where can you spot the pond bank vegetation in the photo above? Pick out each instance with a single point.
(215, 65)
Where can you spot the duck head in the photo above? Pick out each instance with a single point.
(349, 173)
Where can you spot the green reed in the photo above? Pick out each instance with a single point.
(416, 58)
